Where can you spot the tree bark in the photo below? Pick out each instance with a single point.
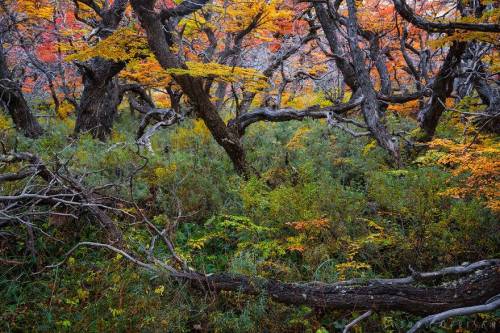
(407, 13)
(420, 300)
(191, 86)
(420, 293)
(370, 107)
(442, 88)
(345, 67)
(100, 97)
(13, 101)
(490, 96)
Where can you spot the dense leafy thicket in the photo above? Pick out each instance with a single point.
(325, 207)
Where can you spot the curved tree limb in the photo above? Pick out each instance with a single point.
(442, 88)
(435, 318)
(374, 118)
(480, 286)
(287, 114)
(407, 13)
(185, 8)
(357, 320)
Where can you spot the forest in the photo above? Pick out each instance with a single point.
(250, 166)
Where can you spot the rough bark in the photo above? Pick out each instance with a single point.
(100, 96)
(421, 300)
(421, 293)
(407, 13)
(490, 96)
(268, 114)
(379, 59)
(327, 22)
(13, 101)
(442, 87)
(191, 86)
(370, 107)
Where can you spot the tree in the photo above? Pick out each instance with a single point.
(101, 96)
(11, 95)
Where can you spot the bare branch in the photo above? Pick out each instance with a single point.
(436, 318)
(287, 114)
(185, 8)
(356, 321)
(407, 13)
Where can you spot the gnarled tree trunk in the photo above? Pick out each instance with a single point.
(13, 101)
(442, 87)
(191, 86)
(370, 107)
(330, 29)
(100, 98)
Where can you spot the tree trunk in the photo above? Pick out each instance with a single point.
(13, 101)
(191, 86)
(490, 96)
(330, 29)
(100, 98)
(418, 299)
(370, 107)
(224, 135)
(442, 88)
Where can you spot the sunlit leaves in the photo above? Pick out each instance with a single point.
(477, 165)
(36, 9)
(253, 79)
(124, 44)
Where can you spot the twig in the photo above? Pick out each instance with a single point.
(356, 321)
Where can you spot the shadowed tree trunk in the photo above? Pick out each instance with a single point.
(490, 95)
(100, 97)
(327, 22)
(442, 87)
(13, 101)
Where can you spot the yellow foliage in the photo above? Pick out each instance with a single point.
(306, 99)
(5, 122)
(165, 172)
(147, 72)
(188, 137)
(296, 141)
(36, 9)
(123, 45)
(239, 14)
(369, 147)
(480, 162)
(160, 290)
(352, 265)
(252, 78)
(65, 109)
